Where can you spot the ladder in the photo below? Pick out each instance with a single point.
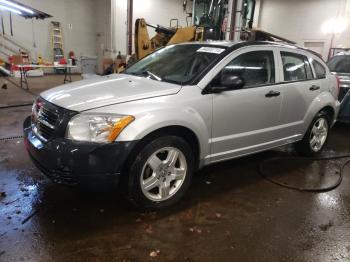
(56, 41)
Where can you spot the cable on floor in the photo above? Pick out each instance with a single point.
(10, 138)
(14, 106)
(340, 173)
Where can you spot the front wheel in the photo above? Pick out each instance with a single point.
(316, 136)
(161, 173)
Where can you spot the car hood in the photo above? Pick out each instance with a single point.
(107, 90)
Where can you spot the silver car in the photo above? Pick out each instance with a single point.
(179, 109)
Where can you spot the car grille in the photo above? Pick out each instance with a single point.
(49, 116)
(44, 119)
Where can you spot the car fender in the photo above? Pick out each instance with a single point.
(154, 120)
(188, 109)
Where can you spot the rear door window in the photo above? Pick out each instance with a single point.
(296, 67)
(319, 69)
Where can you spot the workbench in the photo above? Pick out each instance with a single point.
(25, 68)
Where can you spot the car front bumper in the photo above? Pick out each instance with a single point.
(72, 163)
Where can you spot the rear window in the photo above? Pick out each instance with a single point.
(340, 64)
(295, 67)
(319, 69)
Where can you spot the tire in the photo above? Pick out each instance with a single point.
(154, 181)
(308, 147)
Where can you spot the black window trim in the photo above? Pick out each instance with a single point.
(325, 70)
(313, 74)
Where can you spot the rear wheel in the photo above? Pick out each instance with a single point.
(316, 136)
(161, 173)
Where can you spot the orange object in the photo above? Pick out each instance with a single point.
(119, 126)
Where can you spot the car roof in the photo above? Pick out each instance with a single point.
(236, 45)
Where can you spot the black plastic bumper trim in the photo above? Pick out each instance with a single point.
(71, 162)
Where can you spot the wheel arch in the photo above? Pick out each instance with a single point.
(177, 130)
(324, 102)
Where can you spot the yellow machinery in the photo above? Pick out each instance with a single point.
(165, 36)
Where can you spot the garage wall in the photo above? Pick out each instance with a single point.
(301, 21)
(80, 13)
(103, 31)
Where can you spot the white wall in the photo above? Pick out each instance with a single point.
(80, 13)
(301, 20)
(103, 31)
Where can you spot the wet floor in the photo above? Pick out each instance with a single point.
(230, 213)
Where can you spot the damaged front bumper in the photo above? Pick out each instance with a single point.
(71, 163)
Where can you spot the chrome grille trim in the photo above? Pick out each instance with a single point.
(44, 122)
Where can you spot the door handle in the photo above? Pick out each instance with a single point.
(272, 93)
(314, 88)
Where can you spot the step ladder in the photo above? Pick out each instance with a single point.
(56, 41)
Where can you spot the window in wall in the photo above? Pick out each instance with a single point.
(255, 68)
(295, 67)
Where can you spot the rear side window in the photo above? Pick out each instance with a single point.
(256, 68)
(319, 69)
(296, 67)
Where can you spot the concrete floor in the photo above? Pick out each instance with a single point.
(230, 214)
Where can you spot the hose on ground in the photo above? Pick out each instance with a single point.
(14, 106)
(340, 174)
(10, 138)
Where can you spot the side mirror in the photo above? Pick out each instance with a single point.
(232, 81)
(228, 82)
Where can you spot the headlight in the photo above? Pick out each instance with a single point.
(97, 128)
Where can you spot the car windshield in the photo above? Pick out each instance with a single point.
(177, 63)
(340, 64)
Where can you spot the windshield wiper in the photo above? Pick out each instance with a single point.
(151, 75)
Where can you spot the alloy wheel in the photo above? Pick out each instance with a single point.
(163, 174)
(318, 135)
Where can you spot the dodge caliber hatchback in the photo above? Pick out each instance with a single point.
(179, 109)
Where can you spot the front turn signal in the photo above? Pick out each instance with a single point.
(118, 127)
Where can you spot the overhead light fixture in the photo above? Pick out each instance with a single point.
(10, 9)
(335, 25)
(16, 6)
